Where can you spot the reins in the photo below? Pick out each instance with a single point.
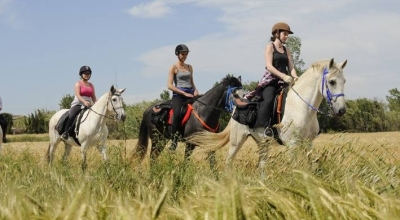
(228, 107)
(111, 116)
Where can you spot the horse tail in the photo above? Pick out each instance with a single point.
(143, 141)
(211, 141)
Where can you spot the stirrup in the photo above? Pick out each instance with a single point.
(64, 136)
(268, 132)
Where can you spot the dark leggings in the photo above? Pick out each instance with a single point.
(267, 104)
(3, 123)
(177, 103)
(73, 112)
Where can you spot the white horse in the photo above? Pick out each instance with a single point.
(92, 130)
(299, 123)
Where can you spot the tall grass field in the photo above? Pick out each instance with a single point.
(345, 176)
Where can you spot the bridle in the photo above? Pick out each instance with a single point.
(228, 107)
(228, 102)
(111, 116)
(329, 95)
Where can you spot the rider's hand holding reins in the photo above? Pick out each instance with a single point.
(87, 103)
(287, 79)
(188, 95)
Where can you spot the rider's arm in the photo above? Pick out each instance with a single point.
(196, 93)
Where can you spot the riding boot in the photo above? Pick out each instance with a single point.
(268, 132)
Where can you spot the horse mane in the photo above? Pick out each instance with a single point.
(318, 67)
(228, 80)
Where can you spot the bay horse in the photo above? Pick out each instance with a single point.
(204, 114)
(1, 135)
(93, 130)
(299, 123)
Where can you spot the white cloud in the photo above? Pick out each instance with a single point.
(155, 9)
(328, 29)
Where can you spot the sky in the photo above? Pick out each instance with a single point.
(130, 44)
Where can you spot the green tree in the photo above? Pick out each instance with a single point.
(65, 102)
(165, 95)
(394, 100)
(293, 43)
(38, 122)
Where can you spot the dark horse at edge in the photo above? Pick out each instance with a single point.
(204, 115)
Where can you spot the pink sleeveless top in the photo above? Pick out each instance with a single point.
(86, 90)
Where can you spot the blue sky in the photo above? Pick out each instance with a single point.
(131, 43)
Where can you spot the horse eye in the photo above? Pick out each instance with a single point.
(114, 99)
(332, 82)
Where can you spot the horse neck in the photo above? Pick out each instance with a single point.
(212, 102)
(214, 97)
(100, 107)
(309, 89)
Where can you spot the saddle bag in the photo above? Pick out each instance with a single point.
(246, 115)
(159, 116)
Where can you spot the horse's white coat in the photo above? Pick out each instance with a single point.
(93, 130)
(299, 123)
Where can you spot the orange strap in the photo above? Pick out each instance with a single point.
(204, 124)
(279, 106)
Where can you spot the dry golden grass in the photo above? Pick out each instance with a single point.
(351, 176)
(247, 155)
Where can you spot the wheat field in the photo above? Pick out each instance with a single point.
(346, 176)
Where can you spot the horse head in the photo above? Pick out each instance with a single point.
(232, 85)
(332, 86)
(115, 103)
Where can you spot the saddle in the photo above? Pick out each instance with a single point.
(60, 126)
(246, 112)
(162, 113)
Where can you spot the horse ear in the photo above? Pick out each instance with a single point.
(240, 78)
(121, 90)
(331, 62)
(342, 65)
(112, 89)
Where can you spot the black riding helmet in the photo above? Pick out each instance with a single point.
(85, 69)
(181, 48)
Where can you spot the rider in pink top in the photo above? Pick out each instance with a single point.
(84, 96)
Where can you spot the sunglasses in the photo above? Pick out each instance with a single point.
(87, 73)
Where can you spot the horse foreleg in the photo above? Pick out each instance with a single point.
(189, 150)
(157, 146)
(262, 156)
(67, 151)
(103, 151)
(84, 152)
(50, 152)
